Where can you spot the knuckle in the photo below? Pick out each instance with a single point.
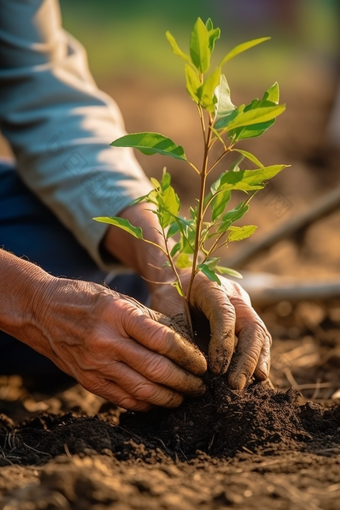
(129, 313)
(125, 402)
(249, 362)
(145, 391)
(160, 370)
(256, 331)
(159, 338)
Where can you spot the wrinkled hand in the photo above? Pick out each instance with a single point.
(239, 342)
(114, 347)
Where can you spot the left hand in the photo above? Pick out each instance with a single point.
(239, 342)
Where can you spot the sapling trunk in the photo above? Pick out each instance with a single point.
(186, 241)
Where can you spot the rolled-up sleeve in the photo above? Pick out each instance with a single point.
(60, 125)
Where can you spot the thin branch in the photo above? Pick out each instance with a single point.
(194, 167)
(154, 244)
(200, 213)
(228, 149)
(174, 269)
(200, 112)
(156, 283)
(218, 137)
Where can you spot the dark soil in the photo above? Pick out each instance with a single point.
(225, 435)
(220, 424)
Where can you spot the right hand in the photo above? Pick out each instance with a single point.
(113, 346)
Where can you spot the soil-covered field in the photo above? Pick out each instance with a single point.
(274, 446)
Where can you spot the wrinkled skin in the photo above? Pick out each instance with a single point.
(113, 346)
(123, 351)
(239, 343)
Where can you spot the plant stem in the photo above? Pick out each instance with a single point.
(200, 213)
(173, 267)
(228, 149)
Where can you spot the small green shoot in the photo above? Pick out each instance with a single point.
(193, 242)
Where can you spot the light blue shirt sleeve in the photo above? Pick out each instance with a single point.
(60, 125)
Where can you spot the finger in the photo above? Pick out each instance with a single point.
(245, 360)
(213, 301)
(114, 393)
(163, 340)
(159, 369)
(144, 390)
(263, 367)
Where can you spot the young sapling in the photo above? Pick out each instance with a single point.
(193, 242)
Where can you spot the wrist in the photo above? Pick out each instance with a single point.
(20, 284)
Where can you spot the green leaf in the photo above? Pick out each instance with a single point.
(141, 199)
(183, 261)
(193, 82)
(175, 249)
(213, 34)
(228, 271)
(177, 287)
(151, 143)
(156, 184)
(256, 116)
(247, 180)
(173, 229)
(218, 204)
(222, 122)
(207, 90)
(236, 214)
(212, 262)
(166, 180)
(243, 47)
(249, 156)
(246, 132)
(199, 47)
(209, 273)
(233, 215)
(188, 235)
(168, 206)
(223, 106)
(209, 24)
(235, 166)
(175, 48)
(193, 212)
(239, 233)
(123, 224)
(272, 94)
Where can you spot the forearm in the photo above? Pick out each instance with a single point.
(20, 284)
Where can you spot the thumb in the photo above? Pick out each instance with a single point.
(213, 302)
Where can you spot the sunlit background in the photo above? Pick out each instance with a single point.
(128, 37)
(131, 60)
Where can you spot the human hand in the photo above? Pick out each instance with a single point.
(239, 342)
(113, 346)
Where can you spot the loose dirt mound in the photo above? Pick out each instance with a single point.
(220, 424)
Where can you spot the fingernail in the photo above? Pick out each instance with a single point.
(264, 369)
(219, 366)
(175, 401)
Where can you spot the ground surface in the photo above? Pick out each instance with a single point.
(263, 448)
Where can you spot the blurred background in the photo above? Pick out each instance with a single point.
(131, 60)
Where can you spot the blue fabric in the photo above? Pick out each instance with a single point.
(28, 228)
